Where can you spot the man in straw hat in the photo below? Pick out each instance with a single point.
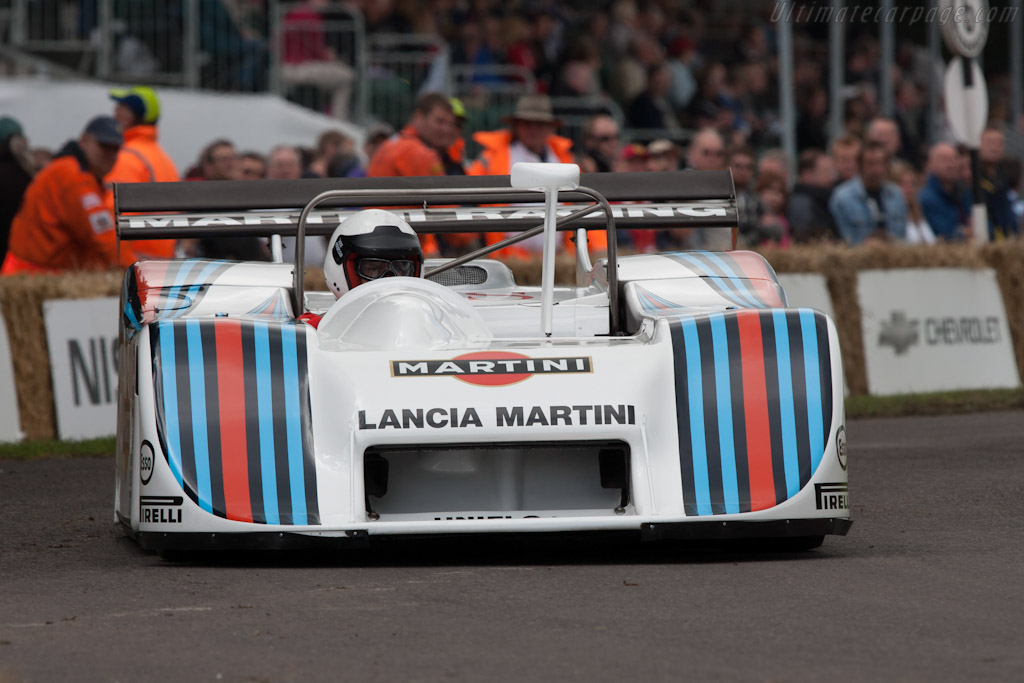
(530, 137)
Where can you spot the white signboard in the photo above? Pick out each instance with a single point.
(81, 336)
(939, 329)
(807, 290)
(10, 425)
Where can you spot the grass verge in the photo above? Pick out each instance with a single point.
(49, 448)
(941, 403)
(905, 405)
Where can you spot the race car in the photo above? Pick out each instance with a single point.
(669, 396)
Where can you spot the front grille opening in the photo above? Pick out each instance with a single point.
(462, 275)
(516, 479)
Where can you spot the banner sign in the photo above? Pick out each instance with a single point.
(939, 329)
(10, 424)
(81, 336)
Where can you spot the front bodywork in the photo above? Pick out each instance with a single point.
(719, 415)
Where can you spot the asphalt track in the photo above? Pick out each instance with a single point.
(927, 587)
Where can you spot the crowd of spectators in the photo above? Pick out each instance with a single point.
(700, 78)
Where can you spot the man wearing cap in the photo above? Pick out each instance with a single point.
(63, 223)
(142, 159)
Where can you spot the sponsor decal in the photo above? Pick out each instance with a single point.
(491, 368)
(832, 496)
(101, 222)
(841, 446)
(91, 201)
(504, 416)
(901, 332)
(646, 211)
(160, 509)
(146, 462)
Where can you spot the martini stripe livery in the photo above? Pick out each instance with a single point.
(754, 406)
(233, 415)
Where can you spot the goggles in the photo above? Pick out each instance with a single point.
(374, 268)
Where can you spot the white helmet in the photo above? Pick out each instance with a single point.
(370, 245)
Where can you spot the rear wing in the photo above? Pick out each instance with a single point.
(261, 208)
(674, 199)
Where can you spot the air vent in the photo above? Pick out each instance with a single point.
(463, 275)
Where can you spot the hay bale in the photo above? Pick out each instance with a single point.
(22, 298)
(1007, 259)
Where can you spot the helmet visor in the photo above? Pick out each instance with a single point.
(374, 268)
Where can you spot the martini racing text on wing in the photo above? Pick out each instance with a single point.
(504, 416)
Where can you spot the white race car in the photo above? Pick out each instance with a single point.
(672, 395)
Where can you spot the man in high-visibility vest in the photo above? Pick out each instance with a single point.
(63, 223)
(142, 159)
(529, 137)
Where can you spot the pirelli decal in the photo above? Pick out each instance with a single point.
(753, 406)
(234, 418)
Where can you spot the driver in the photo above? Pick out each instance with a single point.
(370, 245)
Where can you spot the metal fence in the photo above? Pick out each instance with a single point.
(322, 60)
(400, 68)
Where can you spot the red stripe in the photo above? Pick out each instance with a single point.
(230, 396)
(755, 409)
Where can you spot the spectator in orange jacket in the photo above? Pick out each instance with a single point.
(419, 148)
(63, 223)
(530, 137)
(142, 159)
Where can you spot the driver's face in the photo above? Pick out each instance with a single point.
(377, 268)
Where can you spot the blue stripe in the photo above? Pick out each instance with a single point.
(179, 279)
(200, 445)
(786, 410)
(723, 390)
(725, 291)
(290, 369)
(739, 280)
(130, 313)
(170, 385)
(652, 297)
(197, 285)
(695, 391)
(265, 406)
(815, 427)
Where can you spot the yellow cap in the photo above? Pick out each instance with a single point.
(141, 100)
(458, 108)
